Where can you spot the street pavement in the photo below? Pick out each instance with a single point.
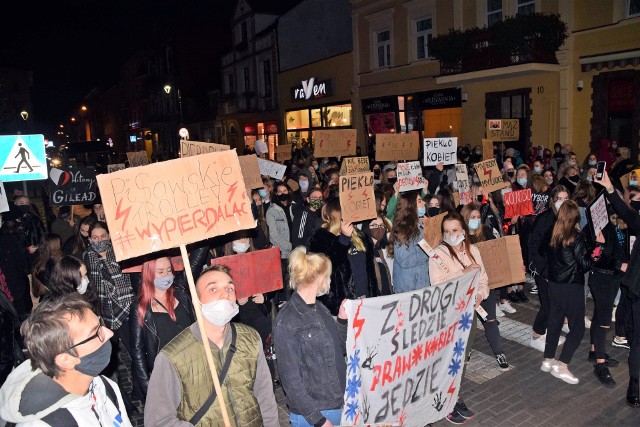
(524, 395)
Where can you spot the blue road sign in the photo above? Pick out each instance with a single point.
(22, 158)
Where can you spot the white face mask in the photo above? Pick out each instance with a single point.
(558, 203)
(240, 247)
(220, 312)
(84, 283)
(454, 241)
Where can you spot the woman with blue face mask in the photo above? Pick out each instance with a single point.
(161, 311)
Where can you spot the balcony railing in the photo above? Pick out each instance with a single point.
(515, 40)
(484, 56)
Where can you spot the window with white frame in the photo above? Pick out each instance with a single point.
(633, 8)
(494, 12)
(383, 39)
(526, 7)
(424, 33)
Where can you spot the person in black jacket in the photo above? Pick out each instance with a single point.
(538, 243)
(630, 281)
(569, 260)
(351, 254)
(161, 311)
(14, 263)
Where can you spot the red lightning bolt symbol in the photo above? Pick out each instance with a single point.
(232, 190)
(357, 322)
(122, 213)
(470, 293)
(350, 195)
(348, 143)
(364, 192)
(489, 172)
(451, 387)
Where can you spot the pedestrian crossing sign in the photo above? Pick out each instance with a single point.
(22, 158)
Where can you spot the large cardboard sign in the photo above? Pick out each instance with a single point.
(597, 214)
(354, 165)
(489, 175)
(410, 176)
(70, 186)
(432, 229)
(464, 186)
(440, 150)
(503, 129)
(177, 202)
(405, 353)
(250, 171)
(518, 203)
(487, 149)
(283, 152)
(357, 199)
(335, 143)
(502, 259)
(4, 202)
(116, 167)
(194, 148)
(137, 158)
(271, 169)
(254, 272)
(397, 146)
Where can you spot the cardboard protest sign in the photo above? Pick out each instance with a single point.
(464, 186)
(597, 214)
(397, 146)
(357, 200)
(432, 229)
(177, 264)
(335, 143)
(503, 129)
(194, 148)
(487, 149)
(4, 203)
(255, 272)
(410, 176)
(271, 169)
(489, 175)
(176, 202)
(440, 150)
(502, 259)
(405, 353)
(116, 167)
(293, 184)
(250, 171)
(69, 186)
(137, 158)
(354, 165)
(518, 203)
(283, 152)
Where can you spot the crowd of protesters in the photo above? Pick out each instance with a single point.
(73, 308)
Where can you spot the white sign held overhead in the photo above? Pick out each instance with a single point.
(597, 214)
(22, 158)
(4, 203)
(440, 150)
(410, 176)
(272, 169)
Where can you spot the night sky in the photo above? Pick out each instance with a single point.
(73, 46)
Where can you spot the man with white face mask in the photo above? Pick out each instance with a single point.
(181, 391)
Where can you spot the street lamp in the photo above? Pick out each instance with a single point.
(24, 114)
(83, 108)
(167, 88)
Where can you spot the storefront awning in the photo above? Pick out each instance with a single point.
(610, 60)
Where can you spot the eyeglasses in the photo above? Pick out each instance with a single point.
(99, 334)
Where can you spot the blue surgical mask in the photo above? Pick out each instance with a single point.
(304, 186)
(635, 183)
(537, 169)
(474, 224)
(262, 192)
(422, 211)
(522, 181)
(592, 162)
(163, 283)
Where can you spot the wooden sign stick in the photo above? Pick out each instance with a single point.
(205, 340)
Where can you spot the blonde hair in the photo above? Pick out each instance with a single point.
(305, 268)
(331, 221)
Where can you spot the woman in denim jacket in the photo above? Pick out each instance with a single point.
(410, 263)
(311, 345)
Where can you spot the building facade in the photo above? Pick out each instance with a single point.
(560, 96)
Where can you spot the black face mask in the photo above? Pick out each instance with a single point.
(635, 205)
(284, 198)
(392, 181)
(480, 199)
(574, 178)
(376, 174)
(432, 211)
(511, 174)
